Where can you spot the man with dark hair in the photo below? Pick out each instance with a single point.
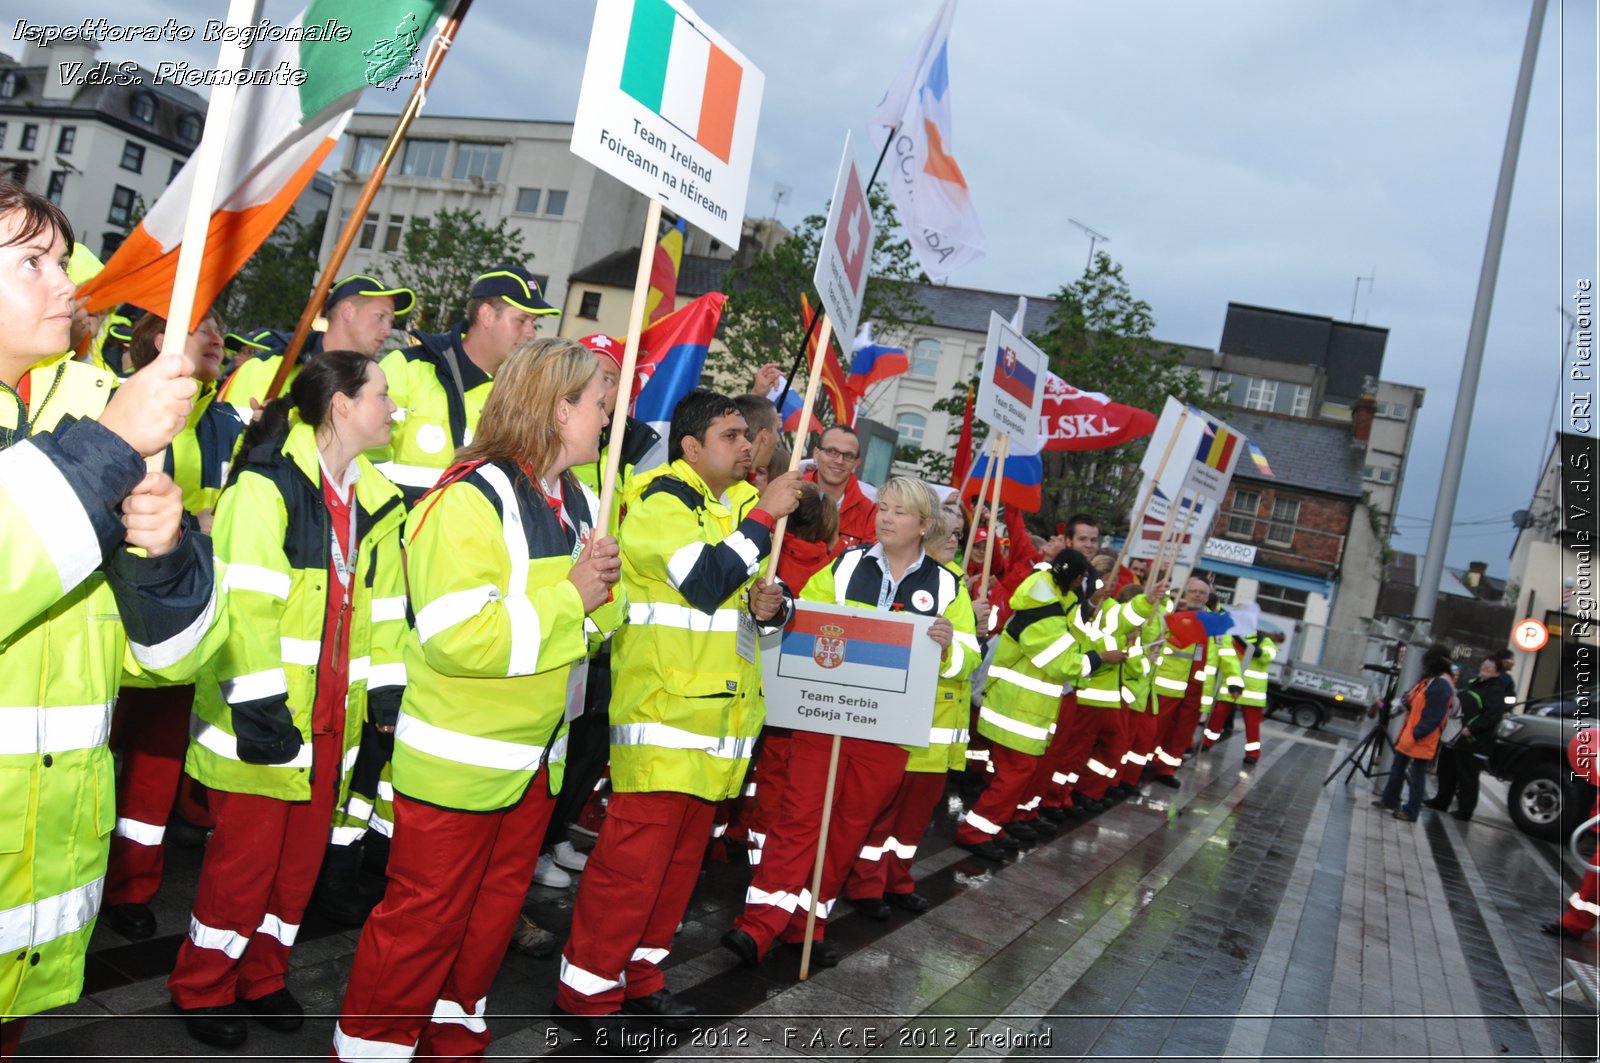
(1083, 534)
(838, 456)
(762, 425)
(686, 706)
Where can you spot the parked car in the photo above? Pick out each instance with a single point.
(1530, 754)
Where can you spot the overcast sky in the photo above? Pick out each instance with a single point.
(1249, 150)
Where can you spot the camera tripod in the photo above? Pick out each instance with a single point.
(1364, 757)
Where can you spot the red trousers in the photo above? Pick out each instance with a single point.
(11, 1037)
(779, 897)
(259, 868)
(884, 863)
(1095, 754)
(1052, 784)
(151, 727)
(771, 771)
(1175, 729)
(429, 952)
(997, 805)
(1221, 711)
(1583, 907)
(1141, 731)
(635, 889)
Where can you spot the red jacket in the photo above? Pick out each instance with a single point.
(799, 560)
(858, 514)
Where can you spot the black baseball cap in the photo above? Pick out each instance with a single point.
(261, 339)
(361, 284)
(516, 286)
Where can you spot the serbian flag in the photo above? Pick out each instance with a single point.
(833, 382)
(1071, 419)
(846, 650)
(662, 298)
(676, 71)
(281, 134)
(1021, 481)
(672, 355)
(872, 362)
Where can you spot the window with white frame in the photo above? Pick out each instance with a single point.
(122, 200)
(368, 151)
(1242, 514)
(478, 160)
(925, 358)
(1224, 586)
(1280, 529)
(1261, 394)
(65, 139)
(1395, 411)
(369, 231)
(1283, 601)
(1377, 474)
(424, 158)
(1302, 401)
(392, 232)
(133, 157)
(910, 426)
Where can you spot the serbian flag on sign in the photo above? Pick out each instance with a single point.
(281, 134)
(674, 69)
(845, 650)
(672, 355)
(873, 362)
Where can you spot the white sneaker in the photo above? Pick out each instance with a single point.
(546, 873)
(566, 855)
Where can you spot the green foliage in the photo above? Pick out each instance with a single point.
(1098, 339)
(441, 256)
(272, 288)
(762, 321)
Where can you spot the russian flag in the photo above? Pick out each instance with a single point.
(846, 650)
(873, 362)
(672, 355)
(1021, 483)
(1013, 377)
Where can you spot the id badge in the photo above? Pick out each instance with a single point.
(577, 688)
(745, 642)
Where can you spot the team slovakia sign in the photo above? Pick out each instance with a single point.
(862, 673)
(669, 108)
(846, 252)
(1011, 385)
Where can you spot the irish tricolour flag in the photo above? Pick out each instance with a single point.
(679, 73)
(307, 77)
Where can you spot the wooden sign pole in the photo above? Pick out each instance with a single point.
(983, 490)
(994, 511)
(1139, 512)
(813, 382)
(822, 849)
(630, 360)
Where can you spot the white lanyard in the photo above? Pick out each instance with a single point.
(344, 569)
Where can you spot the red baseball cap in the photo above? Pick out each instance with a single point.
(605, 346)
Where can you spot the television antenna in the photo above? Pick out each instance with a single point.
(1094, 238)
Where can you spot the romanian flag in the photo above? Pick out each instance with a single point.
(662, 298)
(1217, 447)
(1259, 458)
(280, 135)
(675, 70)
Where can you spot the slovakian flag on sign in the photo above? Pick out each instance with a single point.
(1013, 376)
(676, 71)
(846, 650)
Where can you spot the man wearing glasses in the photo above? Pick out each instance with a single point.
(837, 457)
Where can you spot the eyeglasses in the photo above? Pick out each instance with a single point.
(839, 455)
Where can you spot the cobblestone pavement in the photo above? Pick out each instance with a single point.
(1253, 914)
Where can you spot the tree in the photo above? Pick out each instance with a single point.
(440, 257)
(272, 288)
(762, 321)
(1098, 338)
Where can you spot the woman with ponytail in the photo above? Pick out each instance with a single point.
(310, 531)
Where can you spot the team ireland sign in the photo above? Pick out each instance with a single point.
(861, 673)
(846, 252)
(669, 108)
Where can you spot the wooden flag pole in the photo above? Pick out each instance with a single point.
(813, 381)
(816, 869)
(994, 510)
(208, 168)
(983, 490)
(1144, 505)
(1177, 547)
(630, 360)
(358, 214)
(1161, 545)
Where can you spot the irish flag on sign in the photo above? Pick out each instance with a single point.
(679, 73)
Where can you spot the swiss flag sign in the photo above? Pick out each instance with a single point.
(854, 235)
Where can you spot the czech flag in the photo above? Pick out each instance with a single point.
(1021, 481)
(1013, 377)
(846, 650)
(873, 362)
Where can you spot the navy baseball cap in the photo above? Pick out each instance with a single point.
(258, 340)
(516, 286)
(361, 284)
